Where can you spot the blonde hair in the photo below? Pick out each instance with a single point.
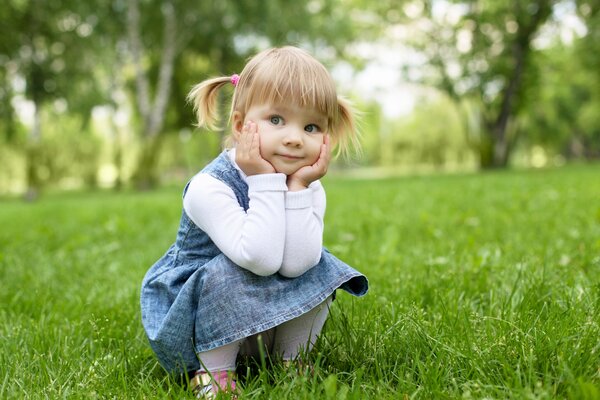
(282, 75)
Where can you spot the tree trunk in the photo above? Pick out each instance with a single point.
(494, 144)
(486, 152)
(146, 176)
(497, 130)
(32, 178)
(151, 111)
(521, 50)
(501, 148)
(117, 149)
(221, 56)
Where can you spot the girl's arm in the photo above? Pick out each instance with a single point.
(254, 240)
(304, 212)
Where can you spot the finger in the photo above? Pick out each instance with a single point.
(247, 138)
(240, 148)
(327, 142)
(328, 147)
(240, 139)
(248, 132)
(255, 143)
(323, 159)
(325, 149)
(325, 154)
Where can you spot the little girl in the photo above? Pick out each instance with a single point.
(248, 260)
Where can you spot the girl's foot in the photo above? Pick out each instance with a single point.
(206, 385)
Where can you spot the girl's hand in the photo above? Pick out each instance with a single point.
(300, 179)
(247, 152)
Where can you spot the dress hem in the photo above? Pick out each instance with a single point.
(280, 319)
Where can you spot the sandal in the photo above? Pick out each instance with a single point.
(206, 385)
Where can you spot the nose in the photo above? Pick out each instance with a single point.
(293, 137)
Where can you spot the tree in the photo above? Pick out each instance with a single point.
(224, 32)
(589, 45)
(564, 119)
(48, 45)
(152, 109)
(588, 49)
(480, 53)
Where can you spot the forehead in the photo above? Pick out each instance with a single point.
(297, 84)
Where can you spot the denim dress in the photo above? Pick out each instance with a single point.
(195, 299)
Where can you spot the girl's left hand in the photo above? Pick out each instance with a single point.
(300, 179)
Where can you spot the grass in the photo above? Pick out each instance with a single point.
(482, 286)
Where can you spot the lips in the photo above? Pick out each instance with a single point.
(290, 157)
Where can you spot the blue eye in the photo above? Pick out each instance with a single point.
(276, 120)
(312, 128)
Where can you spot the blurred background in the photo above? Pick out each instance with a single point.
(92, 93)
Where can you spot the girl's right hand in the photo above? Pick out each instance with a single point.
(247, 152)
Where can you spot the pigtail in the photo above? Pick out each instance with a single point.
(347, 135)
(204, 97)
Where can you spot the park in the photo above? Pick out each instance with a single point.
(472, 206)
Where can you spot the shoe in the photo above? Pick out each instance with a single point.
(206, 385)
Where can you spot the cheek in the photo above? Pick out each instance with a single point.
(315, 148)
(266, 145)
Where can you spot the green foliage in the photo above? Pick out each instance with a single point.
(512, 94)
(11, 173)
(480, 51)
(432, 135)
(67, 156)
(51, 46)
(188, 152)
(564, 119)
(482, 286)
(69, 152)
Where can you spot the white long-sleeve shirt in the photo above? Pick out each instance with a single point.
(281, 232)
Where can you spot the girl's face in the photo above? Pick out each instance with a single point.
(290, 136)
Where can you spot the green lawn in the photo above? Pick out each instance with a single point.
(482, 286)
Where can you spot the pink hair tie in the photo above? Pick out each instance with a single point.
(235, 78)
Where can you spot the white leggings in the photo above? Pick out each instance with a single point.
(286, 340)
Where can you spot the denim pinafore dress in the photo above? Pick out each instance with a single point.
(195, 299)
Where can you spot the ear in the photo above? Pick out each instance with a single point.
(237, 123)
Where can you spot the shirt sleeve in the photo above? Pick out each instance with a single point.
(304, 212)
(253, 239)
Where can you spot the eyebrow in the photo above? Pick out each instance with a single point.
(317, 117)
